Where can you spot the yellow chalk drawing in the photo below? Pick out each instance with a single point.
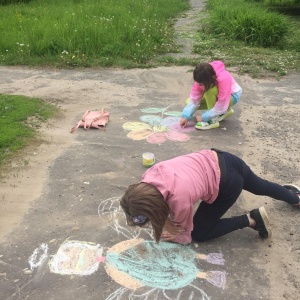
(157, 129)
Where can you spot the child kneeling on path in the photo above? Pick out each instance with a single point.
(214, 84)
(169, 190)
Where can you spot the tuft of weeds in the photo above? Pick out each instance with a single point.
(248, 22)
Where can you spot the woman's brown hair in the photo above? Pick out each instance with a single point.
(145, 199)
(205, 74)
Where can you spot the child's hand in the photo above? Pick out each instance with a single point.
(168, 237)
(173, 228)
(183, 122)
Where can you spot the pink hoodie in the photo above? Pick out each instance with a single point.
(183, 181)
(226, 87)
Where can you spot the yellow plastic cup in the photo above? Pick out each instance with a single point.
(148, 159)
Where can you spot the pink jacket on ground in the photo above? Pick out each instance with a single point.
(183, 181)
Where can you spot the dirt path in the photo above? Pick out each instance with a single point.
(264, 131)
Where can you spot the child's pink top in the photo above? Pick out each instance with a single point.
(183, 181)
(226, 85)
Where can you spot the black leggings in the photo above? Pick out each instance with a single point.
(235, 177)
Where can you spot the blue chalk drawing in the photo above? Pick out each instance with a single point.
(157, 265)
(165, 266)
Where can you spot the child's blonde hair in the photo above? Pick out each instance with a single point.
(146, 200)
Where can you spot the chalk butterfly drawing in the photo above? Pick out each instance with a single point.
(144, 269)
(147, 270)
(156, 128)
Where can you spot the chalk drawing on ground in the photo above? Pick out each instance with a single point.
(110, 210)
(76, 257)
(166, 266)
(141, 267)
(156, 129)
(144, 269)
(135, 263)
(38, 256)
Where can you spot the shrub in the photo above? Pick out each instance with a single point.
(248, 22)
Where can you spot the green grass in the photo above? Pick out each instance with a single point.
(247, 22)
(257, 61)
(20, 117)
(87, 32)
(109, 33)
(255, 55)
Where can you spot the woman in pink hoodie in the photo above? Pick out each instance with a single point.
(169, 192)
(220, 91)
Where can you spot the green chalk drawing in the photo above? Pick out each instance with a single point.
(173, 113)
(152, 110)
(164, 265)
(152, 120)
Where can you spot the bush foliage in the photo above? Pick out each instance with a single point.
(251, 23)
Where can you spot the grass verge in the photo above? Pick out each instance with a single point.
(110, 33)
(241, 52)
(68, 33)
(20, 119)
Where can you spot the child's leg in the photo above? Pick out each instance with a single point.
(211, 97)
(207, 219)
(235, 176)
(259, 186)
(208, 223)
(202, 106)
(209, 101)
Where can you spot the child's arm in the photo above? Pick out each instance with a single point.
(183, 220)
(196, 95)
(183, 238)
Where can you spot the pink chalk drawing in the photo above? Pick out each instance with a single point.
(156, 129)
